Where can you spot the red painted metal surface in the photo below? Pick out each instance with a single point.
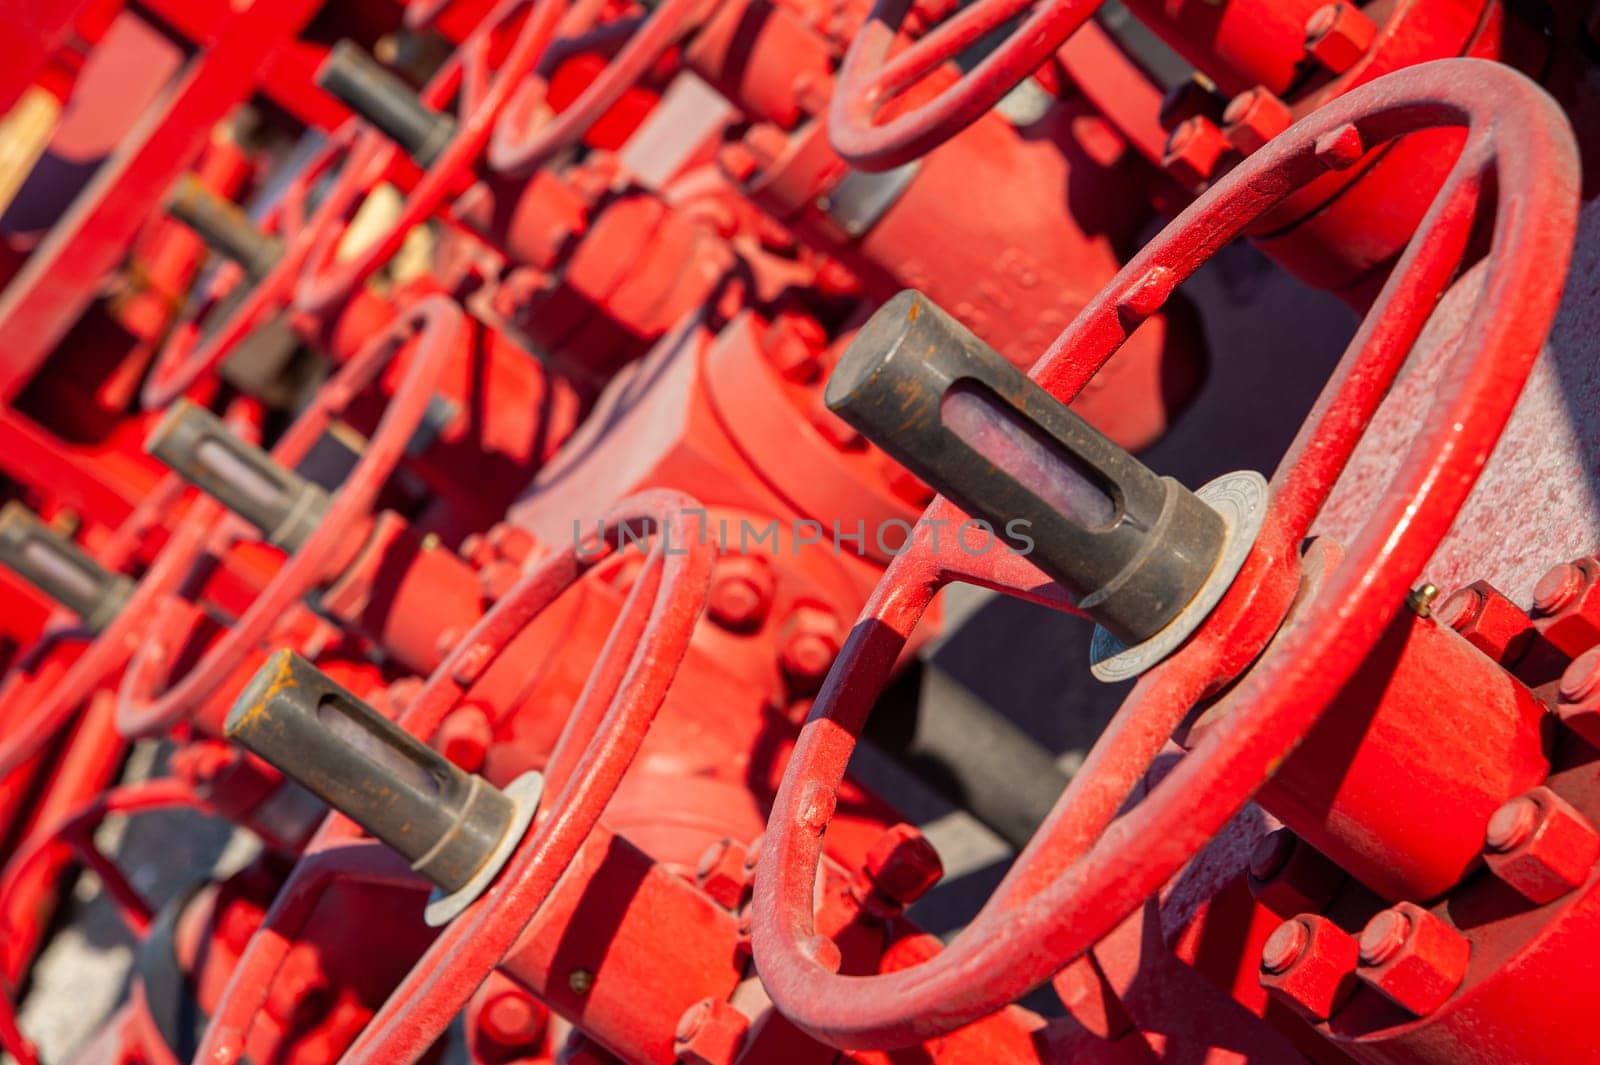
(60, 278)
(481, 87)
(595, 498)
(869, 81)
(150, 700)
(1082, 876)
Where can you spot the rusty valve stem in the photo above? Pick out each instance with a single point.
(60, 569)
(226, 230)
(385, 102)
(1132, 547)
(201, 449)
(454, 827)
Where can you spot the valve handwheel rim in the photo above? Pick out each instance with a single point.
(1087, 868)
(869, 79)
(527, 137)
(148, 700)
(191, 352)
(327, 280)
(599, 741)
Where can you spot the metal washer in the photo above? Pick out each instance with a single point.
(525, 793)
(1241, 499)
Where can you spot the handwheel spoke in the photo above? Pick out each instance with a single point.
(869, 78)
(943, 44)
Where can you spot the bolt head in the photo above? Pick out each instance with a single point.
(902, 865)
(1413, 957)
(741, 592)
(1567, 607)
(1271, 853)
(809, 642)
(1253, 118)
(1488, 621)
(1289, 877)
(711, 1032)
(465, 737)
(1338, 35)
(721, 873)
(1309, 963)
(1511, 825)
(1285, 946)
(1557, 588)
(1540, 845)
(1194, 149)
(1582, 678)
(512, 1019)
(1383, 937)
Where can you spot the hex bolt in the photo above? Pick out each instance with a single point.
(741, 592)
(1193, 150)
(1288, 876)
(1338, 35)
(203, 451)
(808, 644)
(901, 865)
(721, 873)
(1577, 704)
(225, 229)
(1253, 118)
(385, 102)
(1285, 946)
(464, 737)
(1566, 604)
(1487, 620)
(1557, 588)
(446, 822)
(59, 568)
(1581, 678)
(711, 1032)
(1413, 958)
(512, 1019)
(1310, 964)
(1540, 845)
(1132, 547)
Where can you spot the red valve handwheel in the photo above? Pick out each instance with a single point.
(52, 699)
(149, 702)
(869, 80)
(598, 742)
(480, 81)
(1087, 869)
(528, 135)
(197, 346)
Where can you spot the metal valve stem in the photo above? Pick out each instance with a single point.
(385, 102)
(61, 569)
(226, 230)
(202, 450)
(448, 823)
(1131, 546)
